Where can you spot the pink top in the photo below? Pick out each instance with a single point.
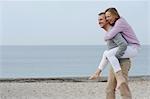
(121, 25)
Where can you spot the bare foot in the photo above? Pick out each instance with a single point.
(95, 75)
(120, 79)
(123, 86)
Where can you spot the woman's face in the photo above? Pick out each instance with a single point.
(110, 17)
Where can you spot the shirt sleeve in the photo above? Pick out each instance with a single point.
(121, 43)
(118, 27)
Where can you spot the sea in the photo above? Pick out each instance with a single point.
(62, 61)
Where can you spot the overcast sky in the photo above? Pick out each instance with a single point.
(66, 22)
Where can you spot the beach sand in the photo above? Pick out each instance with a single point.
(50, 89)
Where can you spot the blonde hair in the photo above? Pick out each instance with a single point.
(113, 11)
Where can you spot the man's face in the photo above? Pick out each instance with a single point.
(102, 20)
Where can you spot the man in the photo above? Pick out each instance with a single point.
(125, 65)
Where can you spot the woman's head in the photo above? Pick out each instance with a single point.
(112, 15)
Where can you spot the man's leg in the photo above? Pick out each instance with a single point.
(124, 88)
(111, 85)
(112, 82)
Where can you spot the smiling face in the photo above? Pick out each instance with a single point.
(111, 18)
(102, 20)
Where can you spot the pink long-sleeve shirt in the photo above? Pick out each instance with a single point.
(121, 25)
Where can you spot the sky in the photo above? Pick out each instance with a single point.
(74, 22)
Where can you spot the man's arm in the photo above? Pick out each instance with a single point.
(122, 44)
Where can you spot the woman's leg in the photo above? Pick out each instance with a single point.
(109, 56)
(112, 59)
(104, 61)
(129, 53)
(101, 66)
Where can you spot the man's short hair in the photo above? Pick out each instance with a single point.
(101, 13)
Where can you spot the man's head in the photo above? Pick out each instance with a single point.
(102, 20)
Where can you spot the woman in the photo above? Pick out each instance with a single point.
(119, 25)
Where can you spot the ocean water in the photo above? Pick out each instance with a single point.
(61, 61)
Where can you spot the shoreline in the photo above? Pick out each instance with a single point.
(69, 79)
(68, 88)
